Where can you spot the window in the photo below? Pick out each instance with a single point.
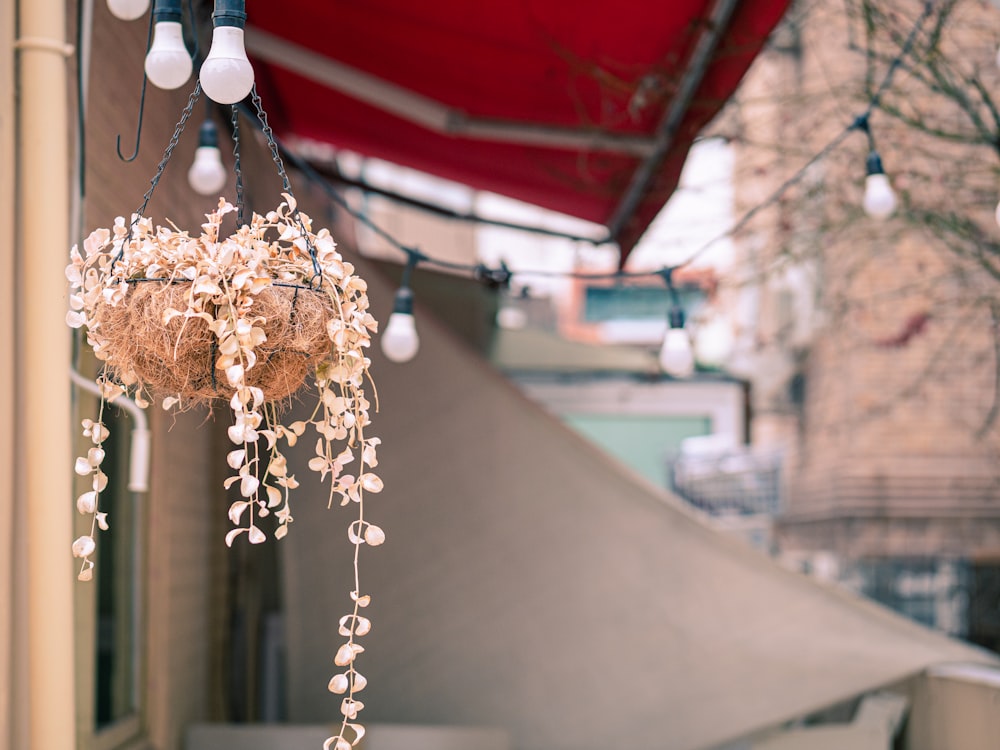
(632, 302)
(117, 610)
(109, 608)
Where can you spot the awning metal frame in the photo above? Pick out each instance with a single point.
(429, 113)
(715, 26)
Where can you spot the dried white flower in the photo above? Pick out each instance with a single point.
(350, 708)
(346, 653)
(84, 546)
(86, 572)
(339, 684)
(337, 743)
(87, 502)
(222, 286)
(374, 535)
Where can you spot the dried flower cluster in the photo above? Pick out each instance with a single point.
(244, 317)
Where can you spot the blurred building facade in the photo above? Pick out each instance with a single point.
(872, 346)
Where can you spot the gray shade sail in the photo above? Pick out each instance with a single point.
(530, 583)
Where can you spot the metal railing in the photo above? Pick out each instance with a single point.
(737, 482)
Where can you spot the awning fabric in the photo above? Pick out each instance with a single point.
(530, 583)
(586, 106)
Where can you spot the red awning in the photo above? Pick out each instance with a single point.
(586, 107)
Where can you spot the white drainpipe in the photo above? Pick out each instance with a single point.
(44, 487)
(138, 458)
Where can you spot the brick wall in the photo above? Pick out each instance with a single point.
(186, 505)
(899, 374)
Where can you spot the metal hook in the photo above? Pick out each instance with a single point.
(142, 105)
(145, 80)
(138, 127)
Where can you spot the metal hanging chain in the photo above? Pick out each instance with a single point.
(271, 143)
(238, 169)
(141, 211)
(285, 184)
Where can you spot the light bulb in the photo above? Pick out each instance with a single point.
(879, 201)
(226, 74)
(676, 356)
(168, 63)
(512, 318)
(207, 175)
(713, 342)
(128, 10)
(400, 342)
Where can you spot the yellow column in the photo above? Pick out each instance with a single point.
(44, 502)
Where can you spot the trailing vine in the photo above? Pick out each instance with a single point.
(247, 318)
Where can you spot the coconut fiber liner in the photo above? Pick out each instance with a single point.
(179, 358)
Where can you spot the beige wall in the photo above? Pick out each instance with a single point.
(955, 707)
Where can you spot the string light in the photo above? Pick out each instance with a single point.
(128, 10)
(879, 200)
(207, 175)
(502, 274)
(400, 342)
(168, 62)
(713, 342)
(226, 74)
(510, 316)
(676, 355)
(676, 358)
(499, 276)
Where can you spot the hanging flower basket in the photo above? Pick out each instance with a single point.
(247, 319)
(244, 318)
(193, 318)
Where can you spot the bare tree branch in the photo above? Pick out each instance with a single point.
(994, 412)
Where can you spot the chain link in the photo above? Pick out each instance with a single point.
(141, 211)
(240, 200)
(271, 142)
(286, 185)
